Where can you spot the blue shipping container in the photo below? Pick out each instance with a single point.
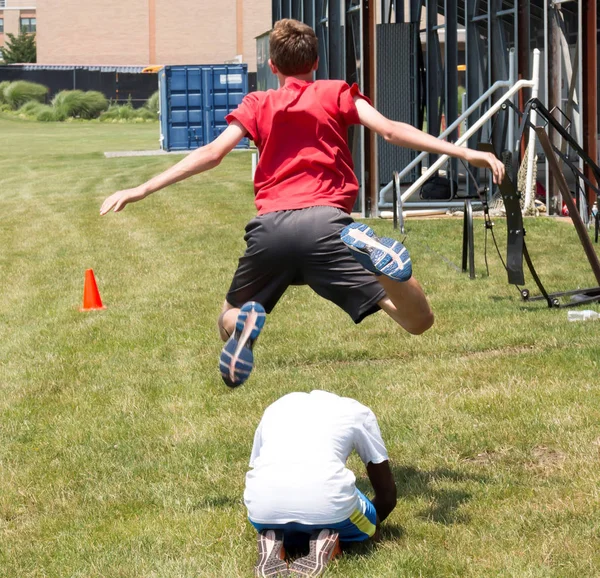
(194, 101)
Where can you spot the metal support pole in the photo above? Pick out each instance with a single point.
(399, 11)
(321, 30)
(415, 10)
(474, 60)
(398, 206)
(468, 252)
(276, 10)
(395, 202)
(434, 92)
(511, 113)
(451, 84)
(296, 10)
(386, 9)
(336, 41)
(531, 140)
(524, 64)
(554, 94)
(590, 89)
(308, 12)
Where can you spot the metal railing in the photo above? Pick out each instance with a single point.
(513, 88)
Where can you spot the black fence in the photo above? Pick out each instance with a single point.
(117, 86)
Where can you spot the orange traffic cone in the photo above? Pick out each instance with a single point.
(91, 295)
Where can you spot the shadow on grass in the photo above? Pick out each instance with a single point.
(389, 532)
(432, 485)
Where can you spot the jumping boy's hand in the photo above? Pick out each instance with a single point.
(486, 161)
(405, 135)
(202, 159)
(118, 200)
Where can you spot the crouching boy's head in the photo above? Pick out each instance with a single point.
(293, 48)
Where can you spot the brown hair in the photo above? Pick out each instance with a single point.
(293, 47)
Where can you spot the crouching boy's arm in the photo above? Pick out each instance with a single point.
(405, 135)
(384, 486)
(202, 159)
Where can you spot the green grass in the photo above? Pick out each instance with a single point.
(122, 453)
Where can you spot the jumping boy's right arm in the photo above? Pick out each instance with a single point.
(405, 135)
(202, 159)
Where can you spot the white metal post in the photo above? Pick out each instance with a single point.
(532, 119)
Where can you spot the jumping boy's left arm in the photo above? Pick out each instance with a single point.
(202, 159)
(405, 135)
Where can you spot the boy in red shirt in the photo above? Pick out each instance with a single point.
(305, 188)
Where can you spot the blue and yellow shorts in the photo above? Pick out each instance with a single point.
(361, 524)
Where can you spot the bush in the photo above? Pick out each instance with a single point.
(76, 103)
(153, 103)
(47, 113)
(30, 109)
(126, 113)
(69, 102)
(95, 104)
(22, 91)
(3, 86)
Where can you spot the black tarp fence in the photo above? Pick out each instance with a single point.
(120, 84)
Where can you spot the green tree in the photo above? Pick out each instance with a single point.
(20, 48)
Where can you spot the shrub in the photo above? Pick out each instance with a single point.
(95, 104)
(47, 113)
(69, 102)
(43, 112)
(3, 86)
(145, 114)
(76, 103)
(126, 113)
(117, 112)
(30, 109)
(153, 103)
(22, 91)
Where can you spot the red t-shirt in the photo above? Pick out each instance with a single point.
(301, 131)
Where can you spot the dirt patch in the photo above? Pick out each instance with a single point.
(546, 460)
(487, 457)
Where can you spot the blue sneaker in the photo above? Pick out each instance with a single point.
(237, 360)
(381, 256)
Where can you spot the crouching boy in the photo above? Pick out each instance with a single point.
(299, 482)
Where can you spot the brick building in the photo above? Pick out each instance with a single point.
(17, 15)
(142, 32)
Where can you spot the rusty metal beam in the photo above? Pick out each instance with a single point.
(568, 199)
(369, 31)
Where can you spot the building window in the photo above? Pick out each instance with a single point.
(1, 25)
(28, 24)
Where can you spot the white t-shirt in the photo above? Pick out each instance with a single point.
(300, 450)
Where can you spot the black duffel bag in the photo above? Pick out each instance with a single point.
(438, 189)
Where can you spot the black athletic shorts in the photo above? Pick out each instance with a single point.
(303, 247)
